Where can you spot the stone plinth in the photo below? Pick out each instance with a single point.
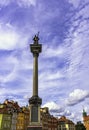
(35, 102)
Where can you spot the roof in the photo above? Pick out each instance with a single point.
(5, 111)
(65, 120)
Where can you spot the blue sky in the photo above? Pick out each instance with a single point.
(63, 63)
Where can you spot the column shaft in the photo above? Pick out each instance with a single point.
(35, 75)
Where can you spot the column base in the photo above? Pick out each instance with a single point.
(34, 128)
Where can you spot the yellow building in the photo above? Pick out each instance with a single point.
(22, 119)
(5, 118)
(65, 124)
(26, 112)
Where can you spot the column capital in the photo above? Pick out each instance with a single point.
(36, 100)
(36, 48)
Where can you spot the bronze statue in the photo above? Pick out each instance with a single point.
(36, 38)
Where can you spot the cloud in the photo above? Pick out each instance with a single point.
(51, 75)
(75, 2)
(63, 63)
(67, 113)
(26, 2)
(4, 2)
(8, 39)
(78, 46)
(15, 71)
(58, 110)
(77, 96)
(53, 107)
(19, 2)
(53, 52)
(64, 112)
(11, 38)
(13, 94)
(8, 68)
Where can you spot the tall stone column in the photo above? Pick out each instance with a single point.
(35, 101)
(35, 75)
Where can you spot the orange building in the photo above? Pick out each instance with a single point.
(86, 120)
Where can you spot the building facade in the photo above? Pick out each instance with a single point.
(86, 120)
(13, 117)
(26, 111)
(20, 121)
(5, 118)
(80, 126)
(23, 118)
(65, 124)
(49, 122)
(13, 108)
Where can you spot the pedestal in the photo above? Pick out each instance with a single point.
(35, 121)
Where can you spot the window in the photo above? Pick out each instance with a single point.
(8, 117)
(8, 125)
(5, 125)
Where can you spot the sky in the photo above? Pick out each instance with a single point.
(63, 63)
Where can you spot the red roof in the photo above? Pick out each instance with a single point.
(65, 120)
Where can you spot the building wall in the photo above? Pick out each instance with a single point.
(17, 118)
(14, 121)
(85, 119)
(26, 112)
(26, 120)
(62, 127)
(86, 122)
(13, 117)
(65, 124)
(47, 120)
(66, 127)
(52, 123)
(6, 122)
(20, 121)
(1, 116)
(70, 127)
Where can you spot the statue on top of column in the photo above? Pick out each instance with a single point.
(36, 38)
